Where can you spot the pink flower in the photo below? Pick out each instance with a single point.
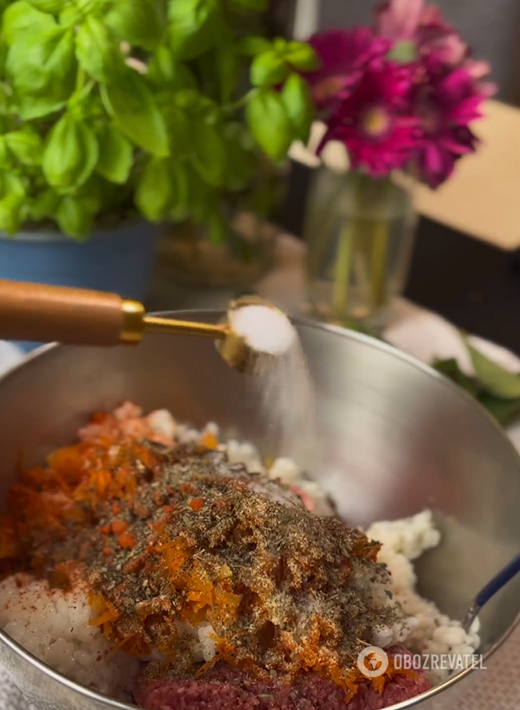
(374, 121)
(446, 104)
(343, 55)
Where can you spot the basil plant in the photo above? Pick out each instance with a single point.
(111, 109)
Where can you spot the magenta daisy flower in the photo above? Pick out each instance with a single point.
(374, 121)
(343, 55)
(446, 104)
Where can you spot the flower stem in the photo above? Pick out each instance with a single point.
(342, 269)
(241, 102)
(379, 238)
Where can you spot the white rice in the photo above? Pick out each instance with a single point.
(54, 625)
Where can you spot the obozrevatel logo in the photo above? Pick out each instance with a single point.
(372, 662)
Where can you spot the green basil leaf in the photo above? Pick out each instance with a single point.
(74, 218)
(44, 205)
(96, 51)
(5, 157)
(93, 7)
(71, 153)
(20, 18)
(93, 192)
(13, 184)
(299, 106)
(494, 378)
(26, 145)
(256, 5)
(51, 6)
(269, 124)
(42, 67)
(135, 112)
(268, 69)
(165, 70)
(116, 155)
(154, 195)
(11, 213)
(193, 26)
(251, 46)
(227, 69)
(70, 17)
(241, 165)
(301, 56)
(179, 131)
(208, 153)
(137, 22)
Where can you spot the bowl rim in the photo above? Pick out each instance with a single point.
(391, 350)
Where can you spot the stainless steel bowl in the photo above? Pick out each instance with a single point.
(398, 439)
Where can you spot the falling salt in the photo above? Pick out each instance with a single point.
(285, 390)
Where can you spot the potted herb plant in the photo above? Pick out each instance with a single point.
(118, 117)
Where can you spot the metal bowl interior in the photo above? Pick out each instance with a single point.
(395, 438)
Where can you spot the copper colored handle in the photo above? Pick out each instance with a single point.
(49, 313)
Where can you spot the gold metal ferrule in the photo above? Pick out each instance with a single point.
(133, 322)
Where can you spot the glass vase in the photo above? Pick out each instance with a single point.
(359, 233)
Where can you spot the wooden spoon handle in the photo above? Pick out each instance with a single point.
(68, 315)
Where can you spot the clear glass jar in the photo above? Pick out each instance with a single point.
(359, 233)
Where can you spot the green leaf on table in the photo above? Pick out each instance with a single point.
(137, 22)
(505, 411)
(450, 368)
(21, 18)
(71, 153)
(42, 69)
(193, 26)
(496, 379)
(269, 123)
(301, 56)
(268, 69)
(74, 217)
(116, 155)
(251, 46)
(296, 97)
(26, 145)
(208, 154)
(96, 51)
(134, 110)
(154, 195)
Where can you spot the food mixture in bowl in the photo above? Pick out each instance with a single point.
(157, 565)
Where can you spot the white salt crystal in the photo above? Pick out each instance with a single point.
(265, 329)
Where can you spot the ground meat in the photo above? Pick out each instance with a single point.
(226, 688)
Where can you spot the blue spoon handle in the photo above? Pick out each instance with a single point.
(495, 584)
(488, 591)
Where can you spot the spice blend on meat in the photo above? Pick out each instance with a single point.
(172, 535)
